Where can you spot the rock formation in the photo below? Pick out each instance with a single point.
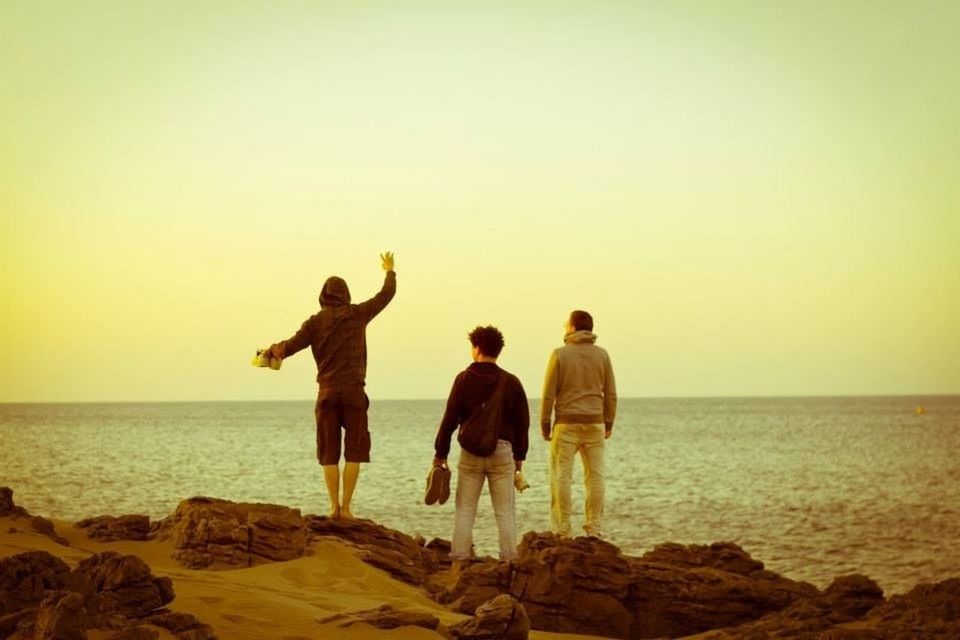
(502, 618)
(42, 598)
(218, 533)
(112, 529)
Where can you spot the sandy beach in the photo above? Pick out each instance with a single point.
(281, 600)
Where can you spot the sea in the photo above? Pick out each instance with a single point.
(815, 488)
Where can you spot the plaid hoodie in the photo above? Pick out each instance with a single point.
(337, 334)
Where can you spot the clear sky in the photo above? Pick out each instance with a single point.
(752, 198)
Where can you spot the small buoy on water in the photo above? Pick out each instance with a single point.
(919, 411)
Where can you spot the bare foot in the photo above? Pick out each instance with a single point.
(345, 513)
(334, 513)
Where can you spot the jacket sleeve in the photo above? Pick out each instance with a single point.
(300, 340)
(449, 422)
(521, 422)
(609, 392)
(370, 308)
(550, 387)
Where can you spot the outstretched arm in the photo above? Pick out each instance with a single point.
(370, 308)
(300, 340)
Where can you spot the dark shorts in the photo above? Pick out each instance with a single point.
(342, 407)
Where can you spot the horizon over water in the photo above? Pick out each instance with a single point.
(814, 486)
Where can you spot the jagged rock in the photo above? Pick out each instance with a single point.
(9, 509)
(112, 529)
(394, 552)
(61, 617)
(680, 591)
(587, 586)
(27, 578)
(385, 617)
(568, 586)
(207, 532)
(847, 599)
(926, 611)
(136, 633)
(182, 625)
(502, 618)
(10, 623)
(124, 584)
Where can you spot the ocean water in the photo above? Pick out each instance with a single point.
(813, 487)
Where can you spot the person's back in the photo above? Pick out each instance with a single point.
(337, 334)
(337, 337)
(583, 393)
(579, 389)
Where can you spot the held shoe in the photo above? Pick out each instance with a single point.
(438, 485)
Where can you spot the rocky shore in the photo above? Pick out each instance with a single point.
(219, 569)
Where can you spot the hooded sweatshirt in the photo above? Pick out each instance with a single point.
(337, 334)
(579, 383)
(471, 388)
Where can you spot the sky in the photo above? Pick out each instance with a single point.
(751, 198)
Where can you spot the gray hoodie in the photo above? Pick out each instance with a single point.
(580, 383)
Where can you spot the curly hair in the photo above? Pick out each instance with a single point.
(488, 339)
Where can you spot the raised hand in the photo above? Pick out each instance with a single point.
(386, 261)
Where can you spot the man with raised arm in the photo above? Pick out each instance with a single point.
(337, 337)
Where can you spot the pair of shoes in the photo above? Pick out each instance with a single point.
(438, 485)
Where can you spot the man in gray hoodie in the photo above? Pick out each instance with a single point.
(580, 389)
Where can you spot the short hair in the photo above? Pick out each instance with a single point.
(581, 320)
(488, 339)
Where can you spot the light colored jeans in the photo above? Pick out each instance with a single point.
(566, 440)
(498, 470)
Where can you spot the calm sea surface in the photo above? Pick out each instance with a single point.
(814, 487)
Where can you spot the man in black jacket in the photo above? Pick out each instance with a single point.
(471, 388)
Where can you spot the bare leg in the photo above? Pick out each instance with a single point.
(351, 471)
(331, 475)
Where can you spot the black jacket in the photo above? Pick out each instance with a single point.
(471, 388)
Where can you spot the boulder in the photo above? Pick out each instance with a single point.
(27, 578)
(565, 585)
(384, 617)
(396, 553)
(9, 509)
(926, 611)
(847, 599)
(502, 618)
(112, 529)
(681, 590)
(124, 585)
(61, 617)
(207, 532)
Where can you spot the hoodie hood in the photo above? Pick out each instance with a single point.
(485, 373)
(335, 292)
(580, 337)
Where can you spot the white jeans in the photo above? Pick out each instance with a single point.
(498, 470)
(565, 442)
